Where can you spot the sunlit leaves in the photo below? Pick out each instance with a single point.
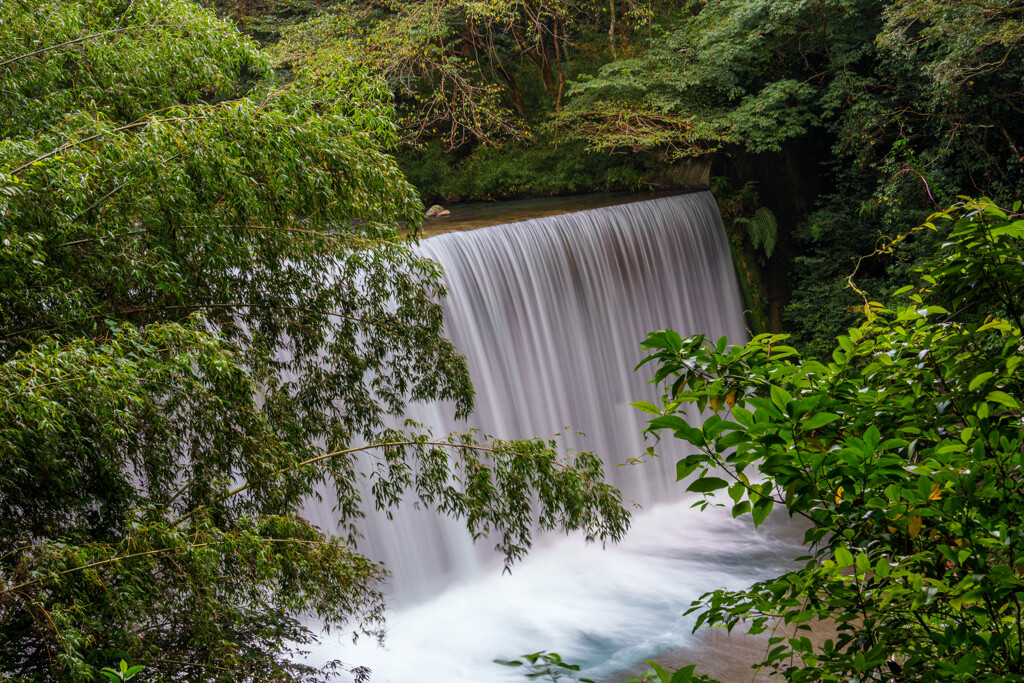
(121, 61)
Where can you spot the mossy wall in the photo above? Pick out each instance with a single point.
(788, 183)
(547, 167)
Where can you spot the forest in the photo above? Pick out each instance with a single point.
(211, 310)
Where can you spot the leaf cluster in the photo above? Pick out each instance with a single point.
(547, 665)
(902, 454)
(915, 103)
(209, 315)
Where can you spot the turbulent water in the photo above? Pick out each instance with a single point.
(550, 314)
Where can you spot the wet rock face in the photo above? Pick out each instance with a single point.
(437, 211)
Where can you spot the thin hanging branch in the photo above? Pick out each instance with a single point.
(81, 39)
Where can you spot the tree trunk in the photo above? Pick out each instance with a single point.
(513, 88)
(611, 28)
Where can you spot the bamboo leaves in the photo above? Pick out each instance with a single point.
(206, 302)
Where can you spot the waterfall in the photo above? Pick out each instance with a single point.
(550, 314)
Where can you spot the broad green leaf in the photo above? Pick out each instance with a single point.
(743, 416)
(684, 470)
(872, 437)
(862, 562)
(780, 397)
(647, 407)
(1004, 398)
(761, 509)
(663, 675)
(508, 662)
(707, 484)
(673, 422)
(818, 420)
(980, 379)
(684, 674)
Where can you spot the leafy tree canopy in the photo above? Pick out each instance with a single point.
(915, 102)
(759, 73)
(206, 308)
(902, 453)
(465, 73)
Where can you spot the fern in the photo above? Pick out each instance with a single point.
(762, 229)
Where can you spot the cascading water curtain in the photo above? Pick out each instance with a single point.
(550, 313)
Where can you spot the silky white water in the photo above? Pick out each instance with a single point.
(550, 314)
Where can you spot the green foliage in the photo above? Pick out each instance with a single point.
(267, 20)
(649, 676)
(463, 73)
(708, 78)
(903, 455)
(683, 675)
(526, 170)
(440, 94)
(743, 208)
(762, 229)
(468, 78)
(206, 306)
(760, 73)
(917, 101)
(124, 673)
(464, 125)
(825, 305)
(114, 62)
(753, 234)
(546, 665)
(551, 666)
